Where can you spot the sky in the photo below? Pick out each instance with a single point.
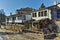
(13, 5)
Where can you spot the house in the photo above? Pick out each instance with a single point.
(32, 17)
(51, 12)
(25, 14)
(22, 15)
(45, 13)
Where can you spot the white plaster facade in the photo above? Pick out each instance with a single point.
(51, 14)
(58, 5)
(42, 17)
(22, 20)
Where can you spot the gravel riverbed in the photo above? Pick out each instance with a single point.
(10, 35)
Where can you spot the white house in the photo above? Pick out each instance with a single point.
(51, 12)
(38, 15)
(25, 14)
(22, 15)
(18, 18)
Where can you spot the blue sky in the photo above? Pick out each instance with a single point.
(12, 5)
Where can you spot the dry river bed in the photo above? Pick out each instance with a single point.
(10, 35)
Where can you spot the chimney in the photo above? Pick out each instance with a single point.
(55, 2)
(10, 13)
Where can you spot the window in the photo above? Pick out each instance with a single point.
(14, 18)
(41, 13)
(7, 19)
(24, 17)
(19, 17)
(34, 15)
(45, 13)
(38, 14)
(58, 13)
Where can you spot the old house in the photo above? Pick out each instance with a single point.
(33, 17)
(22, 15)
(51, 13)
(25, 14)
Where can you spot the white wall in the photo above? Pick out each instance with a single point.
(39, 18)
(58, 5)
(28, 17)
(10, 20)
(6, 19)
(49, 14)
(43, 17)
(18, 21)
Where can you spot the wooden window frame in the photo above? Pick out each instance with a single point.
(39, 14)
(45, 13)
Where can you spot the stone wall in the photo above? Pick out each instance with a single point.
(13, 27)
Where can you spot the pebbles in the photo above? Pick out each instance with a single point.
(20, 36)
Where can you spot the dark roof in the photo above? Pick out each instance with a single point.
(25, 9)
(58, 3)
(14, 15)
(54, 6)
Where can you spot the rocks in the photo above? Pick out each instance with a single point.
(25, 36)
(2, 38)
(57, 38)
(14, 27)
(10, 35)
